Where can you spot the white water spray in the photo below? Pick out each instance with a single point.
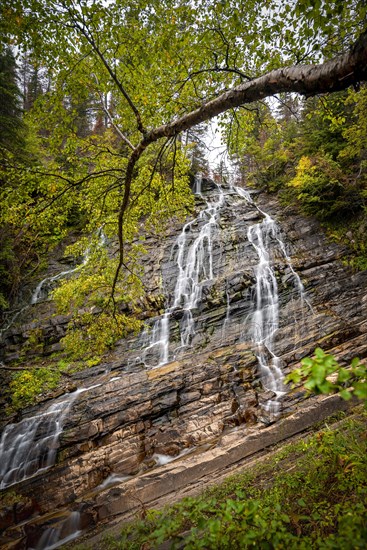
(30, 446)
(194, 262)
(65, 532)
(264, 322)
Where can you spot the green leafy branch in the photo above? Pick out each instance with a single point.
(322, 374)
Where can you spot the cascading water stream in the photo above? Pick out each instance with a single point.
(197, 184)
(194, 263)
(264, 321)
(54, 537)
(30, 446)
(195, 266)
(39, 292)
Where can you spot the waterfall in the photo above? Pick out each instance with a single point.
(194, 263)
(197, 184)
(264, 321)
(195, 266)
(156, 353)
(66, 531)
(39, 291)
(31, 445)
(193, 252)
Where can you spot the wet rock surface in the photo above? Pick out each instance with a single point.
(137, 416)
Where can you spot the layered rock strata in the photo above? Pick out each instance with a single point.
(134, 418)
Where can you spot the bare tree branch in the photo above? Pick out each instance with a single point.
(134, 157)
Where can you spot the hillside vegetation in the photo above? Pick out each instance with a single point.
(308, 494)
(313, 153)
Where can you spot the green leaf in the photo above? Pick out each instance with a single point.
(345, 394)
(318, 372)
(343, 375)
(360, 390)
(310, 384)
(294, 376)
(319, 353)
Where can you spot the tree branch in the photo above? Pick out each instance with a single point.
(134, 157)
(110, 118)
(83, 29)
(309, 80)
(337, 74)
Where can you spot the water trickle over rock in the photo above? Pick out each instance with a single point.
(193, 252)
(244, 302)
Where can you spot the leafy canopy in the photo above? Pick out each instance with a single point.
(116, 72)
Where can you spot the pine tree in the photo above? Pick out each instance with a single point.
(12, 129)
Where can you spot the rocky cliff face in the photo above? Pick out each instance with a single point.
(163, 398)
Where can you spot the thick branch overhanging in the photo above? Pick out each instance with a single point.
(331, 76)
(337, 74)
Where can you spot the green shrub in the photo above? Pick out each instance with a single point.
(323, 190)
(323, 374)
(27, 384)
